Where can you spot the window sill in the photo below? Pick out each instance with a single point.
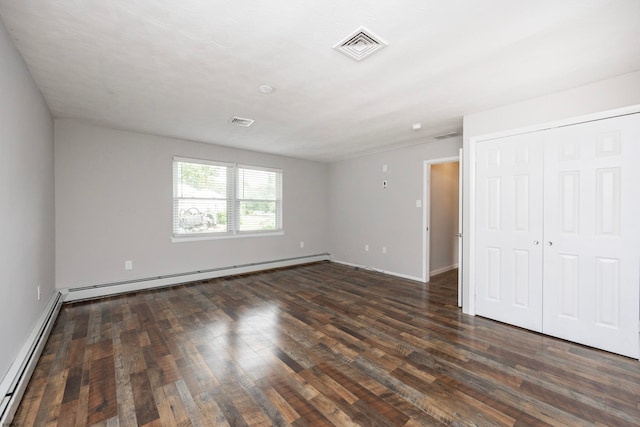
(195, 238)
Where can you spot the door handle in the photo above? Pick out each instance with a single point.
(549, 243)
(535, 242)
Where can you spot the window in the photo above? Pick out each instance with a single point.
(216, 199)
(259, 199)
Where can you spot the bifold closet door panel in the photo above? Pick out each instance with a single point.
(509, 230)
(592, 233)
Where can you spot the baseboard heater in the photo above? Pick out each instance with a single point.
(16, 380)
(101, 290)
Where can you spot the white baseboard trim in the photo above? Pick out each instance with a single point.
(15, 381)
(390, 273)
(99, 291)
(443, 269)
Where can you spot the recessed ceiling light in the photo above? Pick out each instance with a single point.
(266, 89)
(416, 126)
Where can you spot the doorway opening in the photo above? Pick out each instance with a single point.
(442, 218)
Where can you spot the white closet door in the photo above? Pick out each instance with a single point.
(509, 230)
(592, 233)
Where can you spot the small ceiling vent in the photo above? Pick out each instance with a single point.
(449, 135)
(240, 121)
(360, 44)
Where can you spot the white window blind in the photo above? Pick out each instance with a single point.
(219, 199)
(259, 199)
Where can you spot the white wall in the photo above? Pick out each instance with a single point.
(444, 190)
(618, 92)
(362, 212)
(114, 203)
(26, 192)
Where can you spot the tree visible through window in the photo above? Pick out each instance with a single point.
(214, 198)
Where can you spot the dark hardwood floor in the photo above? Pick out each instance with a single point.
(320, 344)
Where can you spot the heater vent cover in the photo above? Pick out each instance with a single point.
(360, 44)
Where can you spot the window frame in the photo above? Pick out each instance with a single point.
(233, 202)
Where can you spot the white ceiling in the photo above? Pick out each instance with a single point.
(183, 68)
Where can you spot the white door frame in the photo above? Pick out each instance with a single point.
(460, 225)
(426, 214)
(470, 159)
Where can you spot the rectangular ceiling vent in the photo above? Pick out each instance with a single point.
(360, 44)
(449, 135)
(240, 121)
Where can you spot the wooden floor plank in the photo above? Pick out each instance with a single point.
(146, 409)
(319, 344)
(102, 390)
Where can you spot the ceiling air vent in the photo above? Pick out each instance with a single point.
(449, 135)
(360, 44)
(240, 121)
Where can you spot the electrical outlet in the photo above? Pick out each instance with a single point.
(384, 249)
(384, 184)
(128, 265)
(366, 248)
(301, 244)
(38, 287)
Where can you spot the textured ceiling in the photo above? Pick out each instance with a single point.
(184, 68)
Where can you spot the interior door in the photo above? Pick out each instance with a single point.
(509, 230)
(592, 233)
